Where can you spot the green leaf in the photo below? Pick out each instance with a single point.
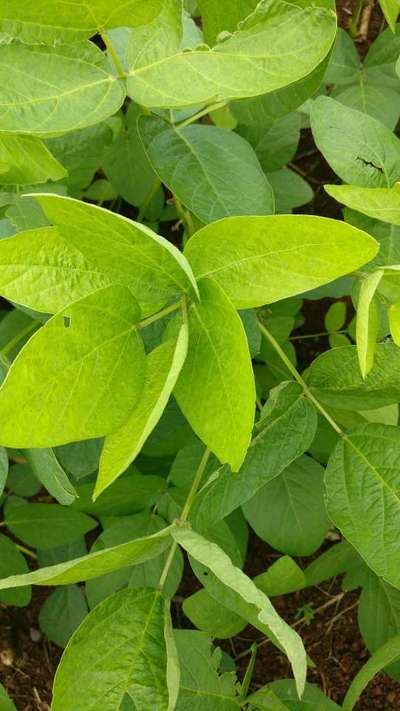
(289, 512)
(55, 89)
(385, 655)
(275, 142)
(390, 9)
(145, 574)
(358, 148)
(48, 21)
(211, 617)
(162, 370)
(260, 260)
(336, 380)
(109, 655)
(93, 564)
(335, 561)
(313, 698)
(253, 61)
(378, 203)
(157, 39)
(282, 577)
(367, 321)
(50, 473)
(5, 702)
(62, 613)
(22, 481)
(335, 317)
(126, 164)
(124, 251)
(223, 17)
(379, 615)
(67, 379)
(131, 493)
(256, 603)
(80, 458)
(203, 687)
(12, 562)
(214, 172)
(215, 389)
(286, 430)
(47, 525)
(3, 468)
(290, 190)
(362, 484)
(28, 161)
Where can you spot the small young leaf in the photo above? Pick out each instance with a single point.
(258, 604)
(260, 260)
(109, 654)
(47, 525)
(215, 389)
(68, 377)
(121, 447)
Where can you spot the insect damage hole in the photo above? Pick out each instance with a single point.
(67, 321)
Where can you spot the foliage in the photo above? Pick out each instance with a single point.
(154, 280)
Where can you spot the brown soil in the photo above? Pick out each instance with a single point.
(28, 660)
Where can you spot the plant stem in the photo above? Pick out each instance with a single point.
(201, 113)
(26, 551)
(159, 315)
(353, 25)
(316, 335)
(185, 513)
(298, 378)
(185, 217)
(113, 54)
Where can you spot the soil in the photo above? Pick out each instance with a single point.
(28, 660)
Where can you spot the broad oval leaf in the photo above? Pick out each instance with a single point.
(109, 655)
(259, 260)
(289, 512)
(162, 371)
(46, 21)
(62, 613)
(253, 61)
(94, 564)
(55, 89)
(336, 380)
(214, 172)
(362, 489)
(360, 149)
(254, 600)
(215, 389)
(78, 376)
(47, 526)
(378, 203)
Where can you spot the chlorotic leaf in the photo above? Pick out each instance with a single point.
(253, 61)
(67, 379)
(260, 260)
(367, 321)
(121, 447)
(215, 389)
(378, 203)
(54, 89)
(93, 564)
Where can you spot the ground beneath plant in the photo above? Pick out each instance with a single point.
(28, 660)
